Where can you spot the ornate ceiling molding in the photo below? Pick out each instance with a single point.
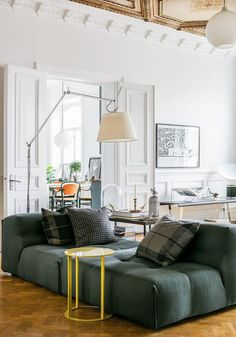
(89, 17)
(158, 11)
(134, 8)
(158, 15)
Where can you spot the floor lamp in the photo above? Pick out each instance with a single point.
(115, 127)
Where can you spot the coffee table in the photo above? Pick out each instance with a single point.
(142, 221)
(77, 254)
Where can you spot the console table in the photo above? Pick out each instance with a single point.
(200, 202)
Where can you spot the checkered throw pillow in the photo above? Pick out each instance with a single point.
(57, 227)
(91, 226)
(166, 240)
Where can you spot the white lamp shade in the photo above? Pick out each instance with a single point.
(116, 127)
(228, 171)
(63, 139)
(221, 29)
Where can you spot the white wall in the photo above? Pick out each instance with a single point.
(190, 88)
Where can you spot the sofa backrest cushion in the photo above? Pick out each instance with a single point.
(57, 227)
(166, 240)
(215, 245)
(91, 226)
(19, 231)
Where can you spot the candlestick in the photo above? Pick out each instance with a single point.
(135, 204)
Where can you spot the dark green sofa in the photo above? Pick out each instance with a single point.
(203, 280)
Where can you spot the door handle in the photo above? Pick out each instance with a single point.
(16, 181)
(12, 181)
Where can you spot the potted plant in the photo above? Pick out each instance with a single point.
(75, 168)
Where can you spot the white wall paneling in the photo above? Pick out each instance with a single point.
(165, 182)
(20, 205)
(137, 178)
(136, 159)
(109, 150)
(27, 91)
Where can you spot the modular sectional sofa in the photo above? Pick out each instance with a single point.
(203, 280)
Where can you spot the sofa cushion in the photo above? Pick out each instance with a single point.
(142, 291)
(57, 227)
(41, 263)
(207, 289)
(91, 226)
(166, 240)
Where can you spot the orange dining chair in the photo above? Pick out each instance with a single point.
(68, 194)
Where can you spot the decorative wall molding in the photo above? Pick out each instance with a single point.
(163, 12)
(90, 17)
(20, 206)
(166, 181)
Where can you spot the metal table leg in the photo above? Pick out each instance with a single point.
(76, 282)
(228, 212)
(69, 285)
(70, 308)
(144, 229)
(102, 287)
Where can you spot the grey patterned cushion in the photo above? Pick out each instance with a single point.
(166, 240)
(57, 227)
(91, 226)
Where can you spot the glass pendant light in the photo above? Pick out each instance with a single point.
(221, 29)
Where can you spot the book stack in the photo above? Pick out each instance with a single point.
(129, 214)
(126, 232)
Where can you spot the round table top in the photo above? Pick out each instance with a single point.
(89, 252)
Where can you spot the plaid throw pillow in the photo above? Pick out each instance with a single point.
(91, 226)
(57, 227)
(166, 240)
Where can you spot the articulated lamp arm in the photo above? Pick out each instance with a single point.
(67, 92)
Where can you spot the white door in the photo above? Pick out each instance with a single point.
(24, 111)
(136, 167)
(108, 150)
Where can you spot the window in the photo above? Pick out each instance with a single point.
(72, 121)
(81, 116)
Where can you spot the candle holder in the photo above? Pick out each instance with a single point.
(135, 210)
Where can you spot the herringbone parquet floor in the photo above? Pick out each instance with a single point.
(27, 310)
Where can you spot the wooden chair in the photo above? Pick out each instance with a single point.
(68, 194)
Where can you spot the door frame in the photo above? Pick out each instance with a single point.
(92, 77)
(87, 76)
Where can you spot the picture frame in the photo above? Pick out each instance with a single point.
(177, 146)
(66, 173)
(94, 168)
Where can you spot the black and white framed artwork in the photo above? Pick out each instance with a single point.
(177, 146)
(95, 168)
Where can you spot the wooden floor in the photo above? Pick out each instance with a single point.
(27, 310)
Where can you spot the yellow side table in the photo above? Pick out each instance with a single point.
(84, 252)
